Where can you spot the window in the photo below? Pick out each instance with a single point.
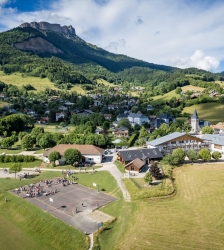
(90, 159)
(132, 167)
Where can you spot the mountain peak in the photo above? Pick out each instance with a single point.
(45, 26)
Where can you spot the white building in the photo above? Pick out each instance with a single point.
(134, 118)
(215, 141)
(90, 153)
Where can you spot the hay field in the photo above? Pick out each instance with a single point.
(192, 219)
(164, 98)
(213, 112)
(19, 80)
(191, 87)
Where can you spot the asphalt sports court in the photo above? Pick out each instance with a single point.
(72, 204)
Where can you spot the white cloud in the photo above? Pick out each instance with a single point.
(197, 60)
(154, 31)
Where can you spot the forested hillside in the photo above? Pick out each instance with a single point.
(82, 63)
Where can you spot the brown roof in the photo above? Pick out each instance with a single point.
(84, 149)
(137, 162)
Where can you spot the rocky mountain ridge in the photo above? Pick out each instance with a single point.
(45, 26)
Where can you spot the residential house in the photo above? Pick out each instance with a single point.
(90, 153)
(149, 108)
(110, 107)
(134, 118)
(121, 132)
(166, 117)
(63, 108)
(97, 102)
(108, 116)
(100, 131)
(60, 116)
(219, 127)
(85, 112)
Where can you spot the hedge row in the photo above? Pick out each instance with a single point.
(132, 139)
(17, 158)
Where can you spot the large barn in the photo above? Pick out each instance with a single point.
(90, 153)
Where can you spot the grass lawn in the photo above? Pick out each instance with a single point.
(164, 98)
(25, 226)
(192, 219)
(191, 87)
(19, 80)
(103, 178)
(71, 168)
(39, 151)
(11, 150)
(212, 112)
(120, 166)
(33, 164)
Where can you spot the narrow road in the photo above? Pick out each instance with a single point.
(91, 241)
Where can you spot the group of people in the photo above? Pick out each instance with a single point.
(33, 190)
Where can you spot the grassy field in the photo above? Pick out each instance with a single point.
(33, 164)
(24, 226)
(11, 150)
(192, 219)
(106, 83)
(212, 112)
(120, 166)
(164, 98)
(191, 87)
(19, 80)
(78, 89)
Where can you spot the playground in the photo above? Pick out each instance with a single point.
(69, 202)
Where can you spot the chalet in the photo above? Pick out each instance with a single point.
(146, 155)
(90, 153)
(120, 132)
(135, 165)
(168, 143)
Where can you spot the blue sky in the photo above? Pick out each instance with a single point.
(181, 33)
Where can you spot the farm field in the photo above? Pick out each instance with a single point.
(212, 112)
(192, 219)
(164, 98)
(191, 87)
(19, 80)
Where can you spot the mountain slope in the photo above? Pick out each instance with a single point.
(59, 54)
